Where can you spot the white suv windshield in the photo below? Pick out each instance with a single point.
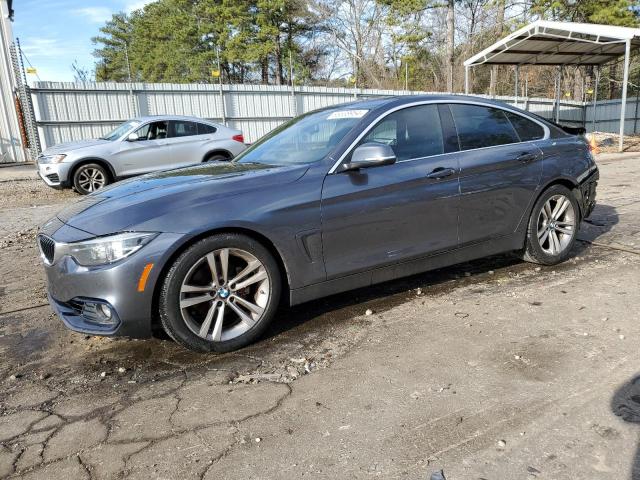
(120, 130)
(305, 139)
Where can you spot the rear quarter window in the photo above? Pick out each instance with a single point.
(527, 130)
(205, 129)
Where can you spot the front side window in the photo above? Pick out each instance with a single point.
(183, 129)
(412, 132)
(526, 129)
(480, 127)
(306, 139)
(152, 131)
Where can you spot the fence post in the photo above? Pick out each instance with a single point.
(516, 85)
(595, 100)
(635, 115)
(558, 88)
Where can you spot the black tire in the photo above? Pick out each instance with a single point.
(534, 250)
(170, 312)
(217, 157)
(82, 182)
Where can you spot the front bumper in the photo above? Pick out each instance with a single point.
(55, 175)
(70, 286)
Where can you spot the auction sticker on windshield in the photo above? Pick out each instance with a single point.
(347, 114)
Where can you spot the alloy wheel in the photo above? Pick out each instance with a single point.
(224, 294)
(556, 225)
(91, 179)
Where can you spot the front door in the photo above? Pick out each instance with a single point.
(500, 170)
(389, 214)
(150, 152)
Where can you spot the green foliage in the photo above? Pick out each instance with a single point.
(610, 12)
(332, 41)
(178, 41)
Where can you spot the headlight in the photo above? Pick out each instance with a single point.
(51, 158)
(104, 250)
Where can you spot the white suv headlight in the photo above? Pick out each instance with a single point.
(51, 158)
(104, 250)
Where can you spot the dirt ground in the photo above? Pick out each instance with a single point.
(608, 142)
(494, 369)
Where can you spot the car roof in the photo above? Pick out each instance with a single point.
(397, 100)
(384, 103)
(147, 118)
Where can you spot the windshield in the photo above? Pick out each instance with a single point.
(120, 130)
(305, 139)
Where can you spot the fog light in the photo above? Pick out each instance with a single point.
(95, 312)
(105, 310)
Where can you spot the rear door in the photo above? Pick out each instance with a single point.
(187, 140)
(389, 214)
(499, 170)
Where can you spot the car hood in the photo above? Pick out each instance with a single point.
(71, 146)
(136, 203)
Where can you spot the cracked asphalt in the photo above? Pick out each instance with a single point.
(495, 369)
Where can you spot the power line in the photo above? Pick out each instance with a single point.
(24, 55)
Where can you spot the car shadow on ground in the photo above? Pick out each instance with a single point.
(601, 221)
(625, 403)
(387, 295)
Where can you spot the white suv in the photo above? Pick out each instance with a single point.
(140, 145)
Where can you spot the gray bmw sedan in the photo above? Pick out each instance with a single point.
(336, 199)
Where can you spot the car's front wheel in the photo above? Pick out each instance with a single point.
(553, 227)
(220, 294)
(90, 177)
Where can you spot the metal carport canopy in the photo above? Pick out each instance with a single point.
(562, 43)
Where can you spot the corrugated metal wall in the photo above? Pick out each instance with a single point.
(608, 116)
(73, 111)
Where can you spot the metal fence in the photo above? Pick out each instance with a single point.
(72, 111)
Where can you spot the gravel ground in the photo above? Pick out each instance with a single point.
(493, 369)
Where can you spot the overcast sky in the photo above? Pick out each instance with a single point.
(54, 33)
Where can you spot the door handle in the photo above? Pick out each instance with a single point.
(441, 172)
(526, 157)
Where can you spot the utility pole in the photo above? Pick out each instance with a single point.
(294, 107)
(222, 105)
(451, 35)
(131, 97)
(500, 29)
(406, 75)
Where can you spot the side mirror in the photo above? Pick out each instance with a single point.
(133, 137)
(370, 155)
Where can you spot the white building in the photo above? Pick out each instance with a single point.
(11, 145)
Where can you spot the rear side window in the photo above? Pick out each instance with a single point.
(480, 127)
(183, 129)
(204, 129)
(527, 130)
(412, 132)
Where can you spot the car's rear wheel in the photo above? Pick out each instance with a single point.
(220, 294)
(90, 177)
(217, 157)
(553, 227)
